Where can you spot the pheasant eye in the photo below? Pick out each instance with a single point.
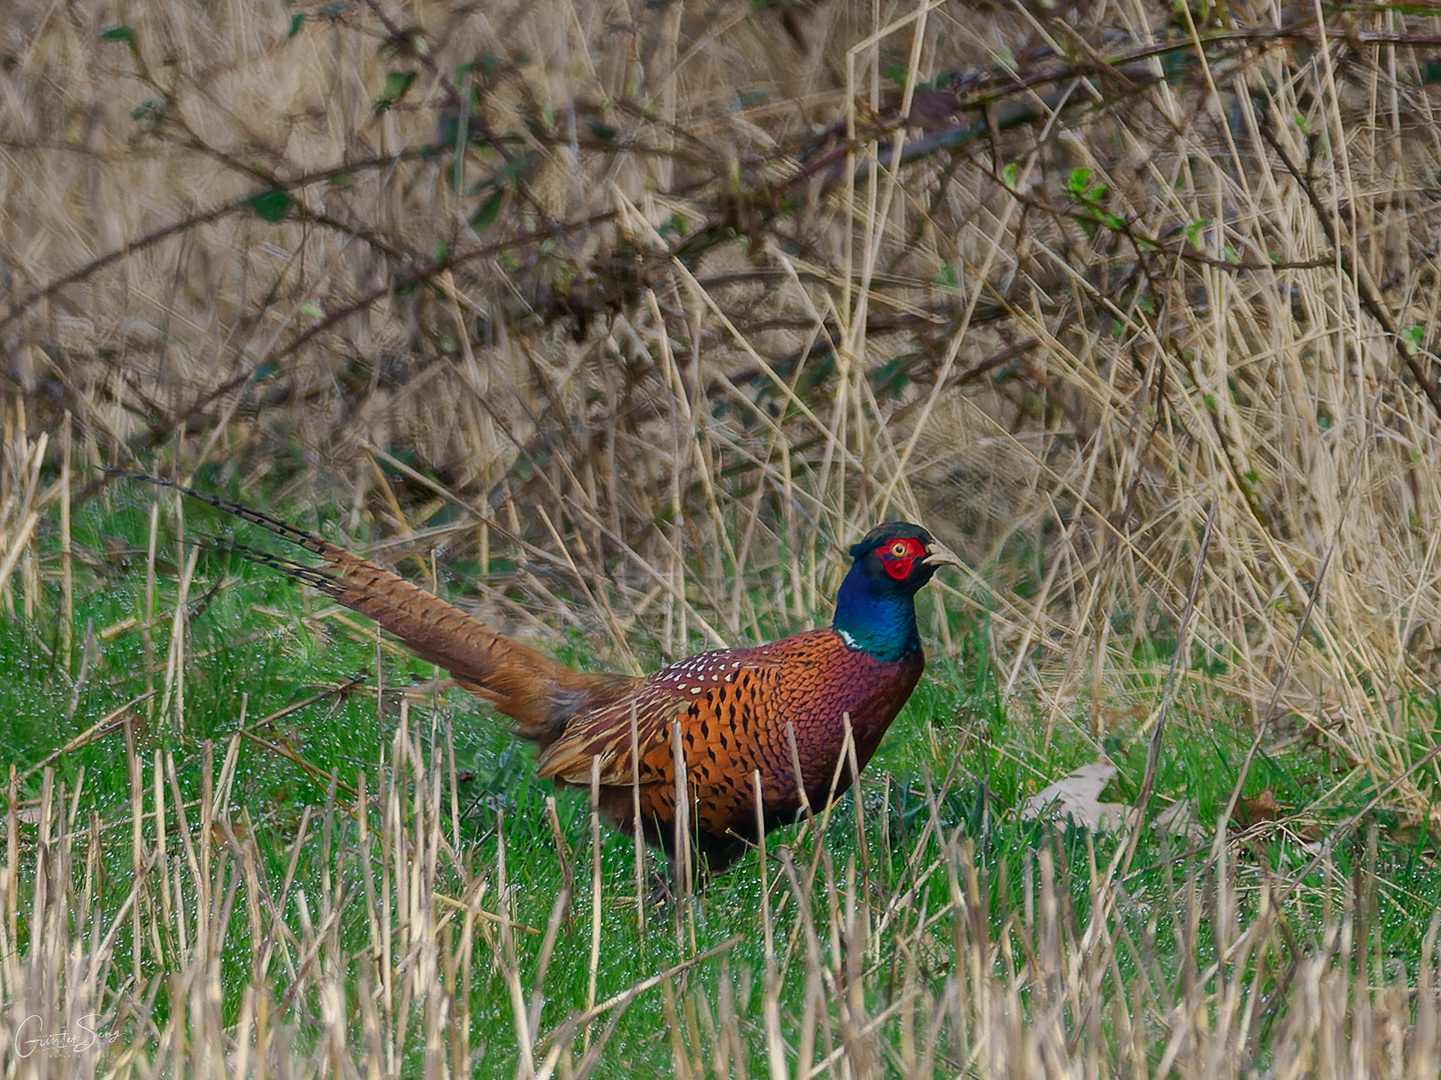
(898, 549)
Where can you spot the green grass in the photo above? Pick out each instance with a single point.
(936, 876)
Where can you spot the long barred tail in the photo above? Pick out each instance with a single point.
(539, 693)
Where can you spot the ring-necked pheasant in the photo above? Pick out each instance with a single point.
(733, 706)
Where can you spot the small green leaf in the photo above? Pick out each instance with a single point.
(1411, 339)
(311, 310)
(1193, 232)
(150, 115)
(511, 169)
(271, 205)
(489, 210)
(893, 376)
(296, 22)
(1009, 174)
(945, 277)
(119, 32)
(396, 85)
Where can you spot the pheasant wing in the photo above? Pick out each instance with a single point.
(610, 735)
(639, 724)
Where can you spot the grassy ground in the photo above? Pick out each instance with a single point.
(285, 869)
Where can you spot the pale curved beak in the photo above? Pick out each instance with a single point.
(937, 554)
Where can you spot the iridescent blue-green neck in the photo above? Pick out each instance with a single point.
(876, 616)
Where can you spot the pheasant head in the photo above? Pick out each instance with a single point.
(875, 609)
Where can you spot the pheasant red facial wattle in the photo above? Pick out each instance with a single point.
(771, 709)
